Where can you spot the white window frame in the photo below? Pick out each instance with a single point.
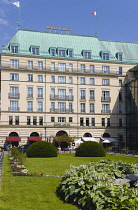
(14, 64)
(40, 78)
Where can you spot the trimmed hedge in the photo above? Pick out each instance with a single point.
(90, 149)
(41, 149)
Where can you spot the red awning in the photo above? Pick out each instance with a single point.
(13, 138)
(34, 138)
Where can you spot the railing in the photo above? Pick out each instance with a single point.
(62, 111)
(13, 109)
(64, 97)
(39, 96)
(105, 99)
(30, 96)
(74, 70)
(83, 99)
(92, 98)
(40, 110)
(11, 95)
(30, 110)
(105, 111)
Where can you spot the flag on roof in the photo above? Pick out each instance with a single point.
(16, 3)
(94, 13)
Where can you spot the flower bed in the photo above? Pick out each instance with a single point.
(93, 187)
(19, 170)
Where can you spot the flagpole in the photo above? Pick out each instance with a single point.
(96, 26)
(19, 16)
(17, 4)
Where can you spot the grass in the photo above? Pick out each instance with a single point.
(38, 193)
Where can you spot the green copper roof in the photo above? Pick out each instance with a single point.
(79, 43)
(129, 50)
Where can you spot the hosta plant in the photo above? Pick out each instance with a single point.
(92, 186)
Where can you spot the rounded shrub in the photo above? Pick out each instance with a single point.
(90, 149)
(41, 149)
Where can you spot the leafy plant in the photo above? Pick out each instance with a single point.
(90, 149)
(108, 149)
(21, 157)
(126, 149)
(92, 186)
(63, 138)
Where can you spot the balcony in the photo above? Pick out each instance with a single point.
(40, 96)
(30, 110)
(82, 98)
(92, 98)
(62, 111)
(30, 96)
(40, 110)
(62, 98)
(106, 99)
(14, 109)
(74, 70)
(105, 111)
(15, 96)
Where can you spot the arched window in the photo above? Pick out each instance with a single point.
(106, 135)
(34, 134)
(87, 135)
(61, 133)
(13, 134)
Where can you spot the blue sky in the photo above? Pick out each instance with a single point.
(116, 20)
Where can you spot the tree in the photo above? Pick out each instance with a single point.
(63, 138)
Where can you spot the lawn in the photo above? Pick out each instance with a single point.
(38, 193)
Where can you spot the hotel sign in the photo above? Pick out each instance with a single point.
(61, 124)
(58, 28)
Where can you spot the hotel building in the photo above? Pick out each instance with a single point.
(54, 84)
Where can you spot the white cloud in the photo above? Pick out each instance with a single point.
(3, 22)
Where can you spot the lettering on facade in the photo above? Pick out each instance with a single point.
(61, 124)
(58, 28)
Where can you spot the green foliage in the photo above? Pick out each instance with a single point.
(126, 149)
(17, 155)
(63, 138)
(14, 152)
(92, 186)
(42, 149)
(21, 157)
(90, 149)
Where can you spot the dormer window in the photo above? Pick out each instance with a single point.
(61, 52)
(35, 50)
(52, 51)
(105, 55)
(70, 53)
(87, 54)
(14, 48)
(120, 56)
